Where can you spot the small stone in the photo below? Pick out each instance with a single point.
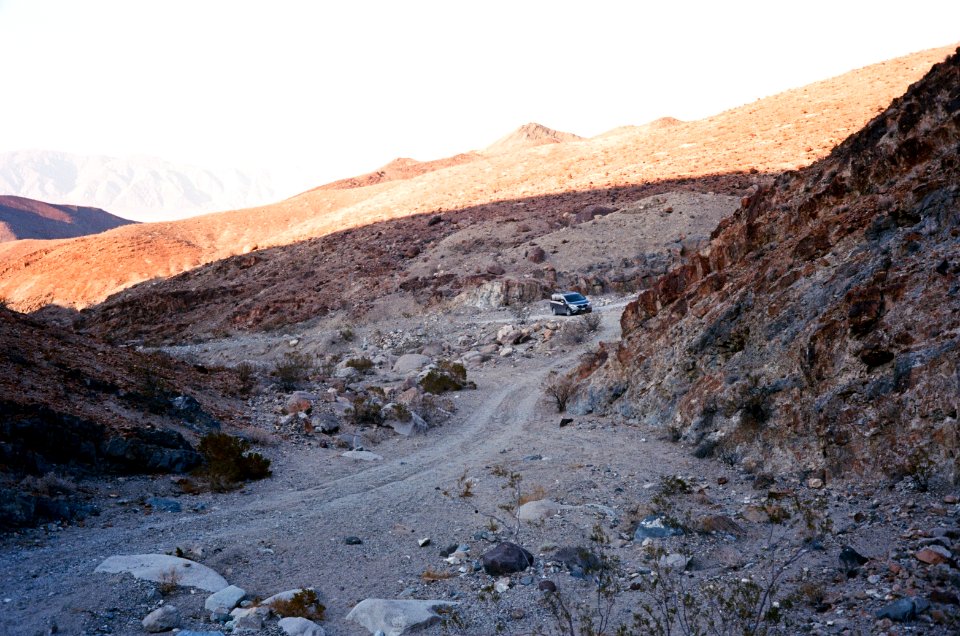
(160, 504)
(564, 421)
(502, 585)
(225, 599)
(424, 542)
(933, 555)
(526, 580)
(547, 586)
(721, 481)
(815, 482)
(162, 619)
(447, 551)
(950, 499)
(655, 527)
(351, 540)
(517, 614)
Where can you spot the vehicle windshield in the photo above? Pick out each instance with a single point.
(574, 298)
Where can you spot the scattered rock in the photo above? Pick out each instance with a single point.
(538, 510)
(326, 423)
(547, 586)
(718, 523)
(934, 555)
(673, 561)
(506, 558)
(394, 617)
(226, 599)
(411, 363)
(851, 560)
(353, 540)
(904, 609)
(249, 617)
(424, 542)
(815, 483)
(298, 626)
(162, 619)
(362, 455)
(164, 505)
(161, 567)
(579, 561)
(299, 402)
(502, 585)
(564, 421)
(655, 527)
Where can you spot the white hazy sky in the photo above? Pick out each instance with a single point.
(312, 91)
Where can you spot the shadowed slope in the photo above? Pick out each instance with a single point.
(22, 218)
(818, 331)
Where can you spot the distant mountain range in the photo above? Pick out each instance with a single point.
(140, 188)
(22, 218)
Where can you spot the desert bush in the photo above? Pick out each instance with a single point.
(169, 581)
(229, 462)
(367, 411)
(246, 378)
(591, 322)
(292, 369)
(304, 604)
(362, 365)
(559, 388)
(346, 332)
(430, 575)
(445, 376)
(573, 333)
(48, 485)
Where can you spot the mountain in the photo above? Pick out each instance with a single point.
(28, 219)
(817, 334)
(531, 188)
(141, 188)
(530, 135)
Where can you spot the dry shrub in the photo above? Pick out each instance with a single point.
(591, 322)
(445, 376)
(169, 581)
(304, 604)
(537, 493)
(430, 575)
(362, 365)
(573, 333)
(292, 369)
(559, 388)
(228, 461)
(246, 378)
(48, 485)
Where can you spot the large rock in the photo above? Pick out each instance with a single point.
(299, 402)
(411, 362)
(394, 617)
(162, 619)
(511, 335)
(226, 599)
(298, 626)
(163, 568)
(506, 558)
(538, 510)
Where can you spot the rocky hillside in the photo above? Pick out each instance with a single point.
(72, 406)
(530, 135)
(28, 219)
(781, 132)
(819, 331)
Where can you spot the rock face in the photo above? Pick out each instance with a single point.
(818, 331)
(165, 568)
(395, 617)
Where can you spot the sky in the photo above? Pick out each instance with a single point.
(312, 91)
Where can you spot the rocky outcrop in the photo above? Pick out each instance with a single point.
(819, 330)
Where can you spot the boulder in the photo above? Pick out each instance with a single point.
(655, 527)
(326, 423)
(299, 402)
(411, 362)
(506, 558)
(248, 617)
(413, 426)
(162, 619)
(538, 510)
(536, 255)
(226, 599)
(394, 617)
(591, 212)
(510, 335)
(298, 626)
(362, 455)
(162, 568)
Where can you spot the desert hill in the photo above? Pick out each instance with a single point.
(528, 136)
(782, 132)
(22, 218)
(817, 333)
